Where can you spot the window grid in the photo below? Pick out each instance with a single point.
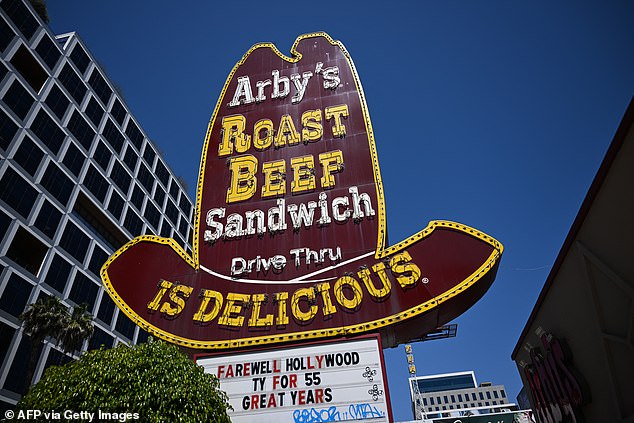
(44, 159)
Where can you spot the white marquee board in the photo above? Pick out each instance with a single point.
(333, 381)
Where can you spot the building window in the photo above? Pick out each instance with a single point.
(113, 136)
(120, 176)
(56, 358)
(115, 206)
(29, 155)
(159, 196)
(174, 190)
(172, 212)
(178, 240)
(48, 51)
(431, 400)
(183, 227)
(102, 156)
(57, 101)
(57, 274)
(495, 394)
(94, 111)
(74, 159)
(18, 99)
(57, 183)
(145, 177)
(98, 223)
(99, 86)
(6, 335)
(185, 205)
(47, 131)
(17, 192)
(166, 229)
(502, 393)
(81, 130)
(488, 395)
(7, 130)
(162, 173)
(5, 222)
(118, 112)
(80, 58)
(30, 69)
(125, 326)
(75, 241)
(473, 396)
(134, 133)
(100, 338)
(481, 396)
(21, 17)
(73, 84)
(152, 215)
(453, 398)
(27, 251)
(106, 309)
(84, 291)
(96, 183)
(6, 34)
(142, 336)
(424, 401)
(48, 219)
(97, 259)
(133, 223)
(149, 154)
(137, 197)
(16, 295)
(3, 70)
(130, 158)
(15, 380)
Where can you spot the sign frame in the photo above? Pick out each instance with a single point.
(307, 344)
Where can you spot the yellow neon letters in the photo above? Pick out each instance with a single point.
(303, 174)
(262, 311)
(235, 139)
(243, 181)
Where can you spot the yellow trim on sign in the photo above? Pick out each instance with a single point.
(319, 333)
(381, 251)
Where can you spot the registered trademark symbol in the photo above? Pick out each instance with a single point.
(425, 280)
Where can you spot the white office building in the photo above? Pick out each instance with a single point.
(78, 179)
(456, 394)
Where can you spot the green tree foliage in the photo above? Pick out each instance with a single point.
(48, 317)
(76, 328)
(155, 380)
(43, 318)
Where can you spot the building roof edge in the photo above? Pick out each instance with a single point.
(617, 142)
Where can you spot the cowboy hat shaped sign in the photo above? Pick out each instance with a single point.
(289, 239)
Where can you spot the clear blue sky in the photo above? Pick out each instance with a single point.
(505, 111)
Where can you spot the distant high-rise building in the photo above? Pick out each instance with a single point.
(455, 394)
(78, 179)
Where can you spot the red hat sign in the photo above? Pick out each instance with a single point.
(289, 239)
